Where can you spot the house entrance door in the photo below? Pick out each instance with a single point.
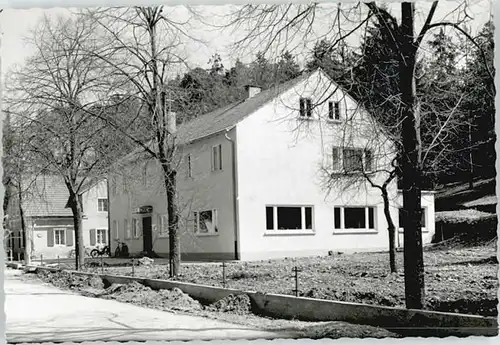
(147, 235)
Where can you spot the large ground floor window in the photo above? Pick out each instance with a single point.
(354, 217)
(289, 217)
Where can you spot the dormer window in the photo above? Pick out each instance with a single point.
(334, 111)
(305, 107)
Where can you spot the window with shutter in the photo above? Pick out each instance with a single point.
(59, 237)
(92, 237)
(50, 238)
(69, 237)
(336, 159)
(309, 107)
(302, 111)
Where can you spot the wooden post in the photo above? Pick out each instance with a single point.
(296, 270)
(223, 274)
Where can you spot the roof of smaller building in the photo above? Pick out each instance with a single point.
(45, 196)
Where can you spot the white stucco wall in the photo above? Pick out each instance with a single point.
(280, 162)
(204, 190)
(94, 219)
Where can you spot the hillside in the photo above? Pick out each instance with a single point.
(464, 216)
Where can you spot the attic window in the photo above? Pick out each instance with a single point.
(102, 205)
(334, 110)
(305, 107)
(217, 158)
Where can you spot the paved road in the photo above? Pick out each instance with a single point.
(42, 313)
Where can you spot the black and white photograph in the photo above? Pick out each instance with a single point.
(249, 171)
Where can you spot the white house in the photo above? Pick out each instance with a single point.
(49, 222)
(260, 179)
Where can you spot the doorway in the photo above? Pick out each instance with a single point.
(147, 235)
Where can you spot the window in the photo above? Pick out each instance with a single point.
(402, 216)
(206, 222)
(305, 107)
(126, 228)
(352, 159)
(354, 218)
(102, 205)
(162, 225)
(217, 158)
(135, 227)
(101, 236)
(189, 167)
(368, 160)
(60, 237)
(289, 218)
(116, 230)
(334, 110)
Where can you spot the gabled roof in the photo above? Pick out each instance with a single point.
(228, 116)
(45, 196)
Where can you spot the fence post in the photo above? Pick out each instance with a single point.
(296, 270)
(41, 259)
(102, 264)
(223, 274)
(133, 267)
(18, 257)
(11, 255)
(58, 262)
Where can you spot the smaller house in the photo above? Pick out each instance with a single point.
(49, 222)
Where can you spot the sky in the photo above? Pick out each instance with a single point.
(17, 23)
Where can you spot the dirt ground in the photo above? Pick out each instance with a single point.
(459, 279)
(235, 309)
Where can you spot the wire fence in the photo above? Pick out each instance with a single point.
(136, 267)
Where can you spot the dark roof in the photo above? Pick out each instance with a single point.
(45, 196)
(228, 116)
(225, 117)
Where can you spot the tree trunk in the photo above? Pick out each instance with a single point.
(173, 219)
(24, 230)
(76, 208)
(471, 163)
(411, 171)
(392, 232)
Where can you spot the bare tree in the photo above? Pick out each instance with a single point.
(143, 49)
(47, 96)
(278, 26)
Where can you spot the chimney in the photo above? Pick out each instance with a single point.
(171, 122)
(252, 90)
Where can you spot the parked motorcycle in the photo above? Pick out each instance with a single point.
(100, 252)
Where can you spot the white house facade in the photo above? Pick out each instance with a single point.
(266, 178)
